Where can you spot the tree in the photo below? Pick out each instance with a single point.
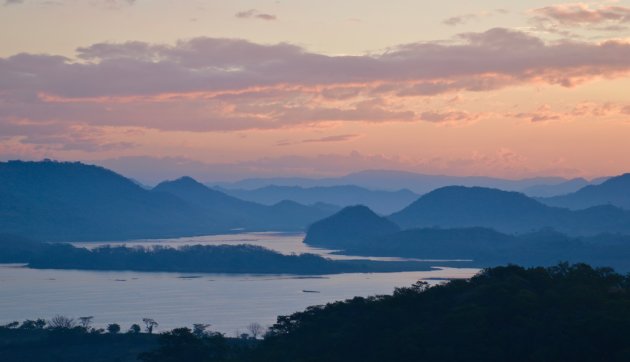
(11, 325)
(149, 324)
(180, 344)
(85, 322)
(61, 322)
(199, 329)
(33, 324)
(255, 329)
(134, 329)
(113, 328)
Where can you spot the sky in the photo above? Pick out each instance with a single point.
(233, 89)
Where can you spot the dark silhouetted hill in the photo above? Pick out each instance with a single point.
(563, 313)
(73, 201)
(510, 212)
(383, 202)
(285, 215)
(615, 191)
(62, 201)
(16, 249)
(348, 226)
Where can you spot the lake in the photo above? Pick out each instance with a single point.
(228, 302)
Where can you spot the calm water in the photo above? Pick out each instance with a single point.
(228, 302)
(285, 243)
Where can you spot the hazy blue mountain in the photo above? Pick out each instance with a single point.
(383, 202)
(614, 191)
(476, 246)
(16, 249)
(73, 201)
(237, 213)
(348, 226)
(510, 212)
(555, 189)
(395, 180)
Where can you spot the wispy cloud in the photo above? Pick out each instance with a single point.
(255, 14)
(580, 14)
(326, 139)
(460, 19)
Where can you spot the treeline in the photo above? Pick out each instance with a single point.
(561, 313)
(187, 259)
(67, 339)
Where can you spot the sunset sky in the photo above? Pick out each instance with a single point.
(231, 89)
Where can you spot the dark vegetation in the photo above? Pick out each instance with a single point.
(562, 313)
(64, 339)
(61, 201)
(188, 259)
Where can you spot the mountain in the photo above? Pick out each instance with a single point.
(510, 212)
(383, 202)
(395, 180)
(473, 246)
(16, 249)
(63, 201)
(348, 226)
(614, 191)
(555, 189)
(73, 201)
(237, 213)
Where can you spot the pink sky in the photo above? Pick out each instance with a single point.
(259, 88)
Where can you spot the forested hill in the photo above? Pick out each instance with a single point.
(564, 313)
(614, 191)
(509, 212)
(63, 201)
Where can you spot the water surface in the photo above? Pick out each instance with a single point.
(228, 302)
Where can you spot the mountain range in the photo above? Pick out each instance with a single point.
(614, 191)
(416, 182)
(506, 211)
(62, 201)
(382, 202)
(358, 231)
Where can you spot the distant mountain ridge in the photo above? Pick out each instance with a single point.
(284, 215)
(383, 202)
(63, 201)
(556, 189)
(615, 191)
(509, 212)
(358, 231)
(392, 180)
